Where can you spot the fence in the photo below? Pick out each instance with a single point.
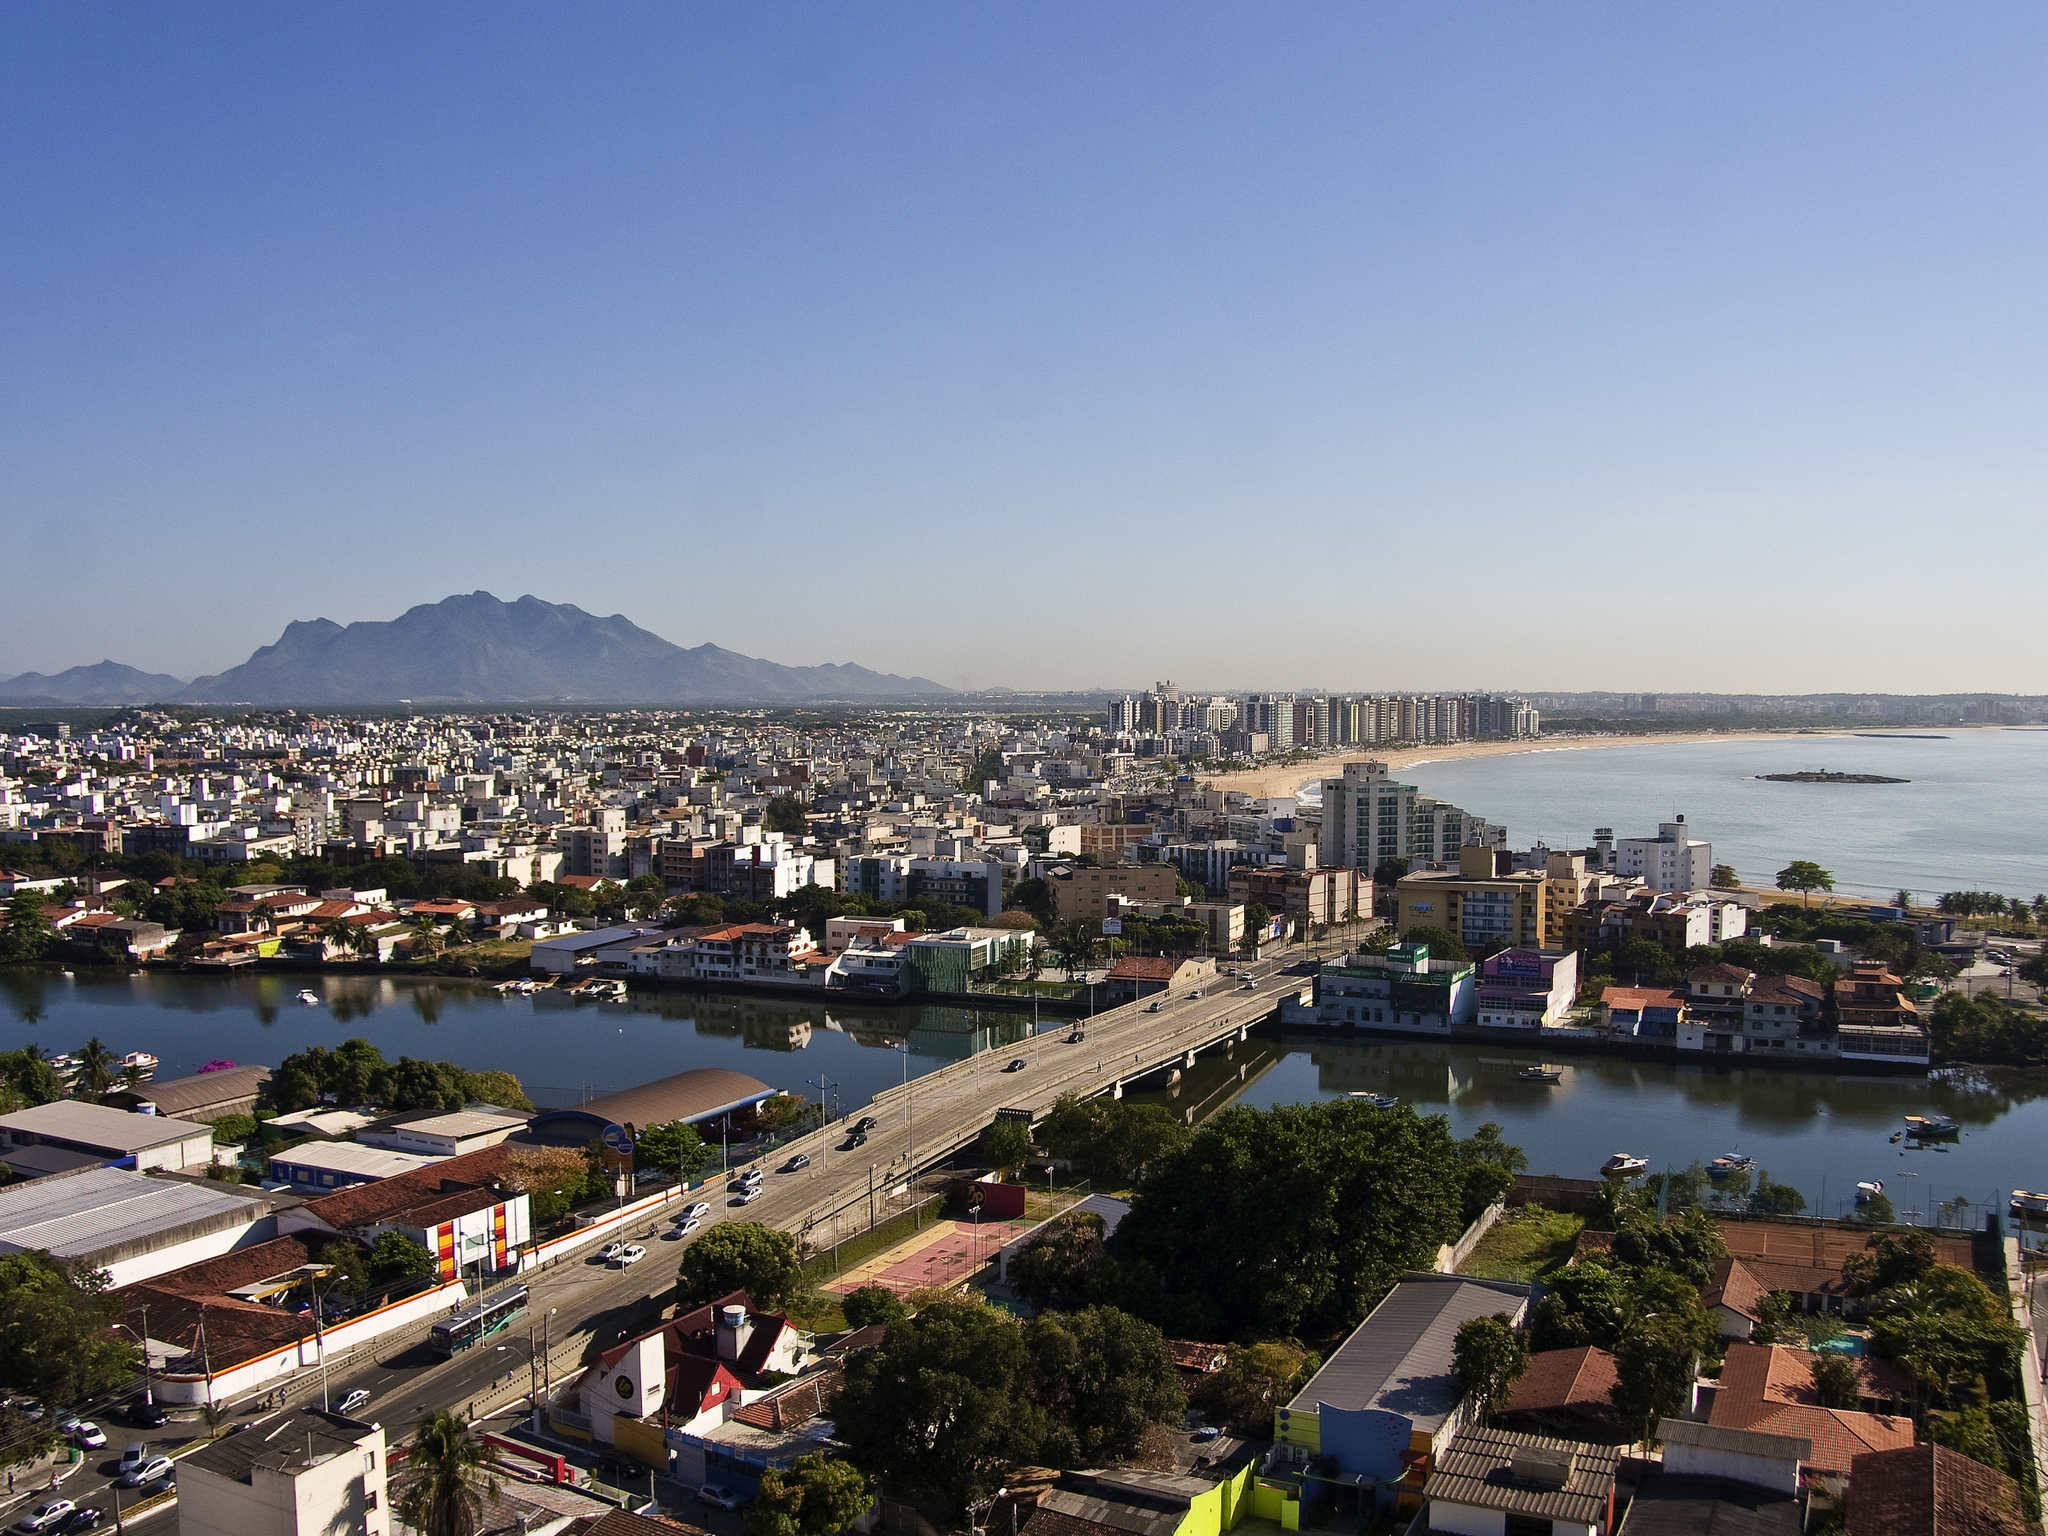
(1451, 1255)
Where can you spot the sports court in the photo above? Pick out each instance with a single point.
(943, 1254)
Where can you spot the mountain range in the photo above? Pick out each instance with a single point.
(476, 649)
(104, 682)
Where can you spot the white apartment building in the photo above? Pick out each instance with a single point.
(1673, 860)
(301, 1474)
(1368, 817)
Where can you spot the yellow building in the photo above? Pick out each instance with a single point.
(1483, 903)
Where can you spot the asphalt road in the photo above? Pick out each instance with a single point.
(585, 1303)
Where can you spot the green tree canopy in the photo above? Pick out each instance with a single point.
(446, 1480)
(58, 1342)
(815, 1496)
(1114, 1142)
(673, 1147)
(1805, 877)
(28, 935)
(1004, 1142)
(1441, 942)
(1255, 1379)
(785, 814)
(740, 1256)
(934, 1410)
(1055, 1268)
(394, 1256)
(867, 1305)
(1489, 1356)
(1099, 1377)
(1287, 1221)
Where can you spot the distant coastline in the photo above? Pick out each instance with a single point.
(1286, 779)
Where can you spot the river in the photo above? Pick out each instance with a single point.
(1819, 1132)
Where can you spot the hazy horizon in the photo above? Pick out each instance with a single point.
(1581, 348)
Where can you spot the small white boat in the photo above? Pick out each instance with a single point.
(2027, 1202)
(1541, 1074)
(309, 997)
(1624, 1165)
(138, 1061)
(1729, 1163)
(1376, 1100)
(1868, 1190)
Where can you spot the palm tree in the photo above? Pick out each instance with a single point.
(446, 1480)
(340, 936)
(96, 1068)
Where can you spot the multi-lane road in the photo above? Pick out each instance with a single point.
(577, 1303)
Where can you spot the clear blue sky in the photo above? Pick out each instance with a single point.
(1401, 345)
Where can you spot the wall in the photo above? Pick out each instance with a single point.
(1780, 1476)
(211, 1245)
(231, 1381)
(1451, 1255)
(643, 1441)
(1463, 1520)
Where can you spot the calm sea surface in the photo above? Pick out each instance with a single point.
(1819, 1132)
(1974, 817)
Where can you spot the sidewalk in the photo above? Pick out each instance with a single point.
(2031, 1365)
(33, 1483)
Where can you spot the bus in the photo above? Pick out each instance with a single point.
(471, 1324)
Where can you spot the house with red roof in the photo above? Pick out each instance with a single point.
(683, 1377)
(1769, 1388)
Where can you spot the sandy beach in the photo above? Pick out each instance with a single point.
(1287, 779)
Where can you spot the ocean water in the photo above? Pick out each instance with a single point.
(1973, 817)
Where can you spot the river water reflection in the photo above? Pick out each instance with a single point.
(1819, 1132)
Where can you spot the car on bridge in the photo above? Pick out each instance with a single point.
(798, 1163)
(1016, 1065)
(866, 1123)
(1077, 1037)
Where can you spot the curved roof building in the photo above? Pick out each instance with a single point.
(703, 1093)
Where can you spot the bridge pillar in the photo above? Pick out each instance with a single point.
(1188, 1060)
(1116, 1089)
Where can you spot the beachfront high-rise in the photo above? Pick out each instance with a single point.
(1368, 818)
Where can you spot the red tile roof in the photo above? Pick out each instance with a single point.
(1930, 1490)
(429, 1191)
(1762, 1391)
(1144, 968)
(1563, 1378)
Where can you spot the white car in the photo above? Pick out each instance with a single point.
(685, 1228)
(43, 1516)
(88, 1436)
(610, 1252)
(360, 1398)
(631, 1253)
(155, 1467)
(136, 1454)
(717, 1497)
(748, 1195)
(696, 1212)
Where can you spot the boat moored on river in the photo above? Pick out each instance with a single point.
(1624, 1165)
(1930, 1127)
